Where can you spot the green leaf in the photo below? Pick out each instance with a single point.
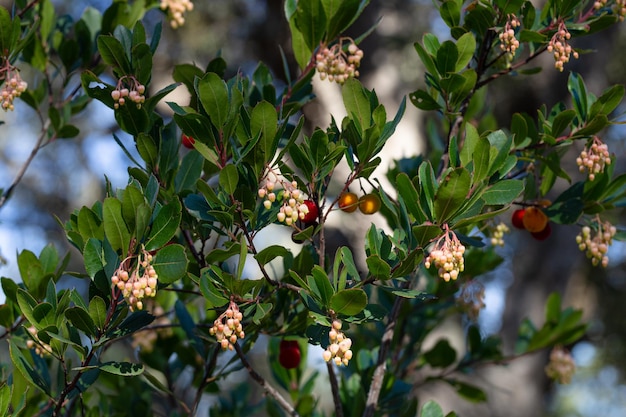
(408, 193)
(452, 193)
(27, 303)
(310, 19)
(428, 185)
(31, 272)
(81, 319)
(562, 121)
(577, 89)
(466, 46)
(89, 225)
(424, 101)
(264, 121)
(164, 226)
(270, 253)
(447, 57)
(349, 302)
(357, 103)
(425, 233)
(113, 53)
(115, 228)
(431, 409)
(229, 178)
(426, 59)
(5, 399)
(607, 102)
(450, 12)
(170, 263)
(320, 285)
(26, 369)
(503, 192)
(471, 139)
(378, 268)
(340, 13)
(98, 312)
(122, 368)
(213, 95)
(6, 32)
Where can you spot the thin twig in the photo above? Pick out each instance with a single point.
(271, 391)
(7, 194)
(334, 387)
(381, 365)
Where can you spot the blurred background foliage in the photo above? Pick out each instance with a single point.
(67, 174)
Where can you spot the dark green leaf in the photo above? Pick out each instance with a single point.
(115, 228)
(503, 192)
(452, 193)
(164, 226)
(229, 178)
(81, 319)
(213, 95)
(170, 263)
(349, 302)
(441, 355)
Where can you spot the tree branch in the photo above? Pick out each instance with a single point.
(271, 391)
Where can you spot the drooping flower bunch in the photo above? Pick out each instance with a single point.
(497, 236)
(618, 7)
(560, 47)
(337, 64)
(471, 298)
(561, 367)
(594, 158)
(275, 186)
(128, 88)
(227, 328)
(508, 41)
(596, 246)
(447, 256)
(140, 283)
(175, 10)
(13, 86)
(42, 349)
(339, 348)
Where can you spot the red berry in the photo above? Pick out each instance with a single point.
(543, 234)
(188, 141)
(289, 354)
(313, 213)
(518, 218)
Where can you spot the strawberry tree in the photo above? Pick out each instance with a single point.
(169, 254)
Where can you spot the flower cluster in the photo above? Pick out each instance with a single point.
(560, 48)
(508, 42)
(619, 7)
(293, 206)
(447, 256)
(596, 247)
(337, 65)
(561, 367)
(13, 87)
(140, 283)
(40, 347)
(594, 158)
(227, 328)
(339, 348)
(175, 10)
(132, 90)
(497, 237)
(470, 298)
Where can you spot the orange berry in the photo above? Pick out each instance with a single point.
(348, 202)
(369, 204)
(535, 220)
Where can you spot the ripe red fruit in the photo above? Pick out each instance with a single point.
(313, 213)
(543, 234)
(518, 218)
(348, 202)
(289, 354)
(188, 141)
